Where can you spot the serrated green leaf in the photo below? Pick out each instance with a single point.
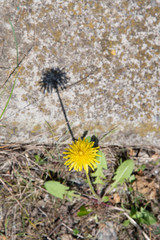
(56, 188)
(98, 174)
(59, 190)
(71, 194)
(105, 199)
(75, 231)
(143, 216)
(132, 178)
(149, 217)
(126, 223)
(83, 211)
(123, 172)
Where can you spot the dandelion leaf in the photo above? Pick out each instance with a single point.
(143, 216)
(56, 188)
(71, 194)
(83, 211)
(98, 174)
(123, 172)
(59, 190)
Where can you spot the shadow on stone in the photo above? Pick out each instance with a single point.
(95, 140)
(53, 79)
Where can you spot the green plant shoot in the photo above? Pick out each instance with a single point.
(59, 190)
(143, 216)
(123, 173)
(83, 211)
(8, 100)
(98, 174)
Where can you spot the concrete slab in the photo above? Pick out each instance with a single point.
(105, 53)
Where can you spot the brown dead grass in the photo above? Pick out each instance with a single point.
(27, 211)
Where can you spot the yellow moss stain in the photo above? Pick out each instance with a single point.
(28, 27)
(108, 44)
(122, 29)
(143, 65)
(94, 126)
(93, 85)
(36, 48)
(22, 81)
(148, 76)
(14, 124)
(71, 6)
(97, 8)
(30, 88)
(41, 14)
(43, 109)
(152, 11)
(89, 105)
(24, 97)
(45, 49)
(30, 66)
(71, 113)
(59, 123)
(104, 20)
(131, 118)
(144, 128)
(36, 128)
(30, 2)
(148, 116)
(120, 93)
(139, 42)
(68, 102)
(41, 58)
(106, 67)
(158, 95)
(89, 25)
(99, 127)
(12, 131)
(57, 35)
(49, 8)
(76, 68)
(22, 15)
(132, 65)
(81, 113)
(125, 5)
(79, 9)
(54, 52)
(148, 56)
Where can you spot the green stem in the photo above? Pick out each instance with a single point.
(92, 189)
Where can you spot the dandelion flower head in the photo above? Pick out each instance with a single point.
(81, 154)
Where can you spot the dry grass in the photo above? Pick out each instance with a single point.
(27, 211)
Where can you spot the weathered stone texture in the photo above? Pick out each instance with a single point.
(112, 46)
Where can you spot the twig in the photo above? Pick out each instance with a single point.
(131, 221)
(13, 71)
(82, 79)
(17, 202)
(78, 235)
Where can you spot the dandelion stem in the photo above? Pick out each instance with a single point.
(92, 189)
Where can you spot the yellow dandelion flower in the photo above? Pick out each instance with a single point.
(81, 154)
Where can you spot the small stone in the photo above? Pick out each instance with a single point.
(106, 232)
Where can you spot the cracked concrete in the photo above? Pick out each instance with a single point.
(109, 50)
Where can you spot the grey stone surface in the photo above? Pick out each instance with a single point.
(109, 50)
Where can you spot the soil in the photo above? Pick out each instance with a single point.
(28, 211)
